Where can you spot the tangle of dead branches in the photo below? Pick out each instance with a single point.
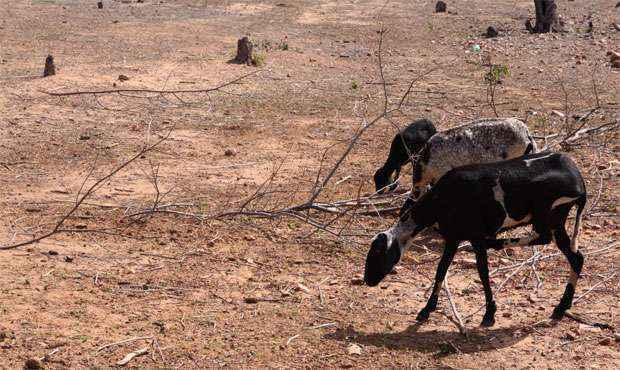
(83, 195)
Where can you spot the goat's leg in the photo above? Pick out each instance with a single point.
(575, 259)
(482, 265)
(446, 259)
(541, 235)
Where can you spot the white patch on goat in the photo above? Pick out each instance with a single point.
(528, 162)
(562, 200)
(499, 195)
(397, 233)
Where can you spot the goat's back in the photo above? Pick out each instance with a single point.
(481, 141)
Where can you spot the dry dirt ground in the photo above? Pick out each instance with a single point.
(244, 292)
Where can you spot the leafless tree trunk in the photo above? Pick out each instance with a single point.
(546, 18)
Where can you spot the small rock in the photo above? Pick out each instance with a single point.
(532, 298)
(123, 78)
(491, 32)
(617, 336)
(571, 335)
(84, 137)
(68, 259)
(357, 282)
(346, 365)
(52, 253)
(302, 287)
(583, 328)
(506, 314)
(605, 341)
(230, 152)
(557, 114)
(250, 300)
(440, 7)
(354, 349)
(33, 364)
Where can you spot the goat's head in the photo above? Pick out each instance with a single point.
(387, 247)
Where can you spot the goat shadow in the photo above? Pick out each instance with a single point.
(441, 342)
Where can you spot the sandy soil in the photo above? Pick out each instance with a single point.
(247, 293)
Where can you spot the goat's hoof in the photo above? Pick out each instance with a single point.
(423, 315)
(487, 322)
(557, 314)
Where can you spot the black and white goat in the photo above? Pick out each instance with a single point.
(476, 202)
(480, 141)
(406, 143)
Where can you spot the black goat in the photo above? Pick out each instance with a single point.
(407, 142)
(476, 202)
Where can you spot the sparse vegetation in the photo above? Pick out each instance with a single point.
(258, 59)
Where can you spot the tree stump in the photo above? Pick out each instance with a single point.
(491, 32)
(440, 7)
(546, 18)
(49, 69)
(244, 51)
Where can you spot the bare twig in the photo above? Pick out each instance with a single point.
(122, 342)
(594, 286)
(455, 312)
(132, 355)
(150, 91)
(57, 228)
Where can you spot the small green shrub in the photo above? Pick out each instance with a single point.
(258, 59)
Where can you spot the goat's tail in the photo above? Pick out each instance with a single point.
(581, 202)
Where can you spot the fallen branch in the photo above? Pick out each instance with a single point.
(594, 286)
(459, 322)
(122, 342)
(587, 321)
(150, 91)
(131, 356)
(88, 193)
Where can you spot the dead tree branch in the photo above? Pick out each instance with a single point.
(151, 91)
(81, 198)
